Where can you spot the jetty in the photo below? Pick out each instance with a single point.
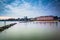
(6, 27)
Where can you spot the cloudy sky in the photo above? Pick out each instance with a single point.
(30, 8)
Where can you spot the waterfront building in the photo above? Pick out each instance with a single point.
(45, 18)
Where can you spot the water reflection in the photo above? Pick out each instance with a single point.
(31, 30)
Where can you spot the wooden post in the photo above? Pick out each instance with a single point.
(4, 22)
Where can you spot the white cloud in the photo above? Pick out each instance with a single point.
(25, 9)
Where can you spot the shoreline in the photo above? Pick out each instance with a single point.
(48, 20)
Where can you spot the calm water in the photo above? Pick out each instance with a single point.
(2, 23)
(30, 30)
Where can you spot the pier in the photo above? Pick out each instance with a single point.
(6, 27)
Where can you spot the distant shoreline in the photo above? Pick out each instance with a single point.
(48, 20)
(40, 20)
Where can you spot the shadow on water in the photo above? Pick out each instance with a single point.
(6, 27)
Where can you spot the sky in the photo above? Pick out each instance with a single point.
(29, 8)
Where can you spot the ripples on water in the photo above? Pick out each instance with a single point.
(30, 30)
